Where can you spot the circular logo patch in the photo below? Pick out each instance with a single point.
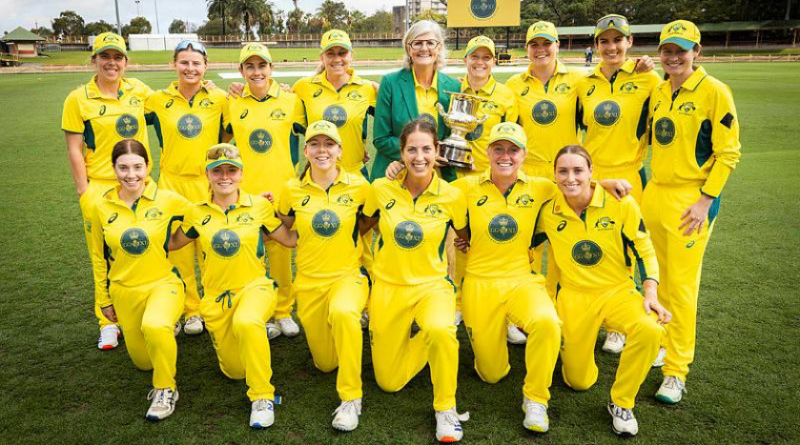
(482, 9)
(664, 131)
(408, 234)
(428, 117)
(260, 141)
(127, 125)
(189, 126)
(475, 134)
(134, 241)
(226, 243)
(606, 113)
(503, 228)
(587, 253)
(544, 112)
(325, 223)
(336, 115)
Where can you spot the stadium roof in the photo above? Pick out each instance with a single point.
(707, 27)
(21, 35)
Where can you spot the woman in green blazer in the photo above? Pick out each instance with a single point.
(413, 92)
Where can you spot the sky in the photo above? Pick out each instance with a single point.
(27, 13)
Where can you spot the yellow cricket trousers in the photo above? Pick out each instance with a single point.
(621, 308)
(235, 320)
(280, 270)
(147, 315)
(680, 262)
(93, 193)
(636, 176)
(194, 189)
(553, 273)
(488, 303)
(396, 356)
(330, 311)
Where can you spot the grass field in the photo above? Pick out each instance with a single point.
(58, 388)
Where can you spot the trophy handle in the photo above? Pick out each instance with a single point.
(441, 109)
(483, 119)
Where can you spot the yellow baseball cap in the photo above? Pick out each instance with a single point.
(109, 40)
(509, 131)
(335, 37)
(323, 127)
(542, 29)
(223, 154)
(254, 49)
(480, 42)
(682, 33)
(612, 21)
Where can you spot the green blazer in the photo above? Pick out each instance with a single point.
(397, 106)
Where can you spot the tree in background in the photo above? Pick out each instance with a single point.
(97, 28)
(178, 26)
(68, 23)
(219, 9)
(138, 25)
(42, 31)
(212, 27)
(380, 21)
(296, 21)
(248, 11)
(332, 14)
(264, 23)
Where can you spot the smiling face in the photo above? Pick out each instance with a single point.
(322, 152)
(573, 175)
(419, 154)
(505, 158)
(676, 61)
(224, 179)
(131, 171)
(480, 63)
(110, 65)
(336, 60)
(613, 46)
(424, 49)
(191, 67)
(256, 72)
(542, 52)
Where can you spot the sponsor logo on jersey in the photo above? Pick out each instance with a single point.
(278, 114)
(503, 228)
(355, 95)
(317, 93)
(390, 204)
(226, 243)
(524, 200)
(335, 114)
(244, 218)
(687, 108)
(113, 217)
(561, 226)
(134, 241)
(153, 214)
(344, 200)
(664, 131)
(305, 200)
(587, 253)
(190, 126)
(325, 223)
(244, 114)
(206, 220)
(544, 112)
(606, 113)
(604, 223)
(102, 110)
(127, 125)
(260, 141)
(562, 88)
(408, 234)
(628, 87)
(433, 210)
(483, 200)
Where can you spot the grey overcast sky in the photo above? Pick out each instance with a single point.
(27, 13)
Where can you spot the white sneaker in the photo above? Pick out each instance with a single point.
(273, 331)
(515, 336)
(622, 420)
(671, 390)
(177, 329)
(163, 403)
(459, 318)
(193, 326)
(109, 337)
(448, 425)
(262, 414)
(346, 415)
(535, 416)
(615, 341)
(659, 361)
(288, 327)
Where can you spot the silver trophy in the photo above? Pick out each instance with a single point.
(462, 118)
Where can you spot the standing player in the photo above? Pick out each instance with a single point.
(411, 282)
(240, 297)
(695, 137)
(595, 238)
(614, 100)
(330, 288)
(264, 122)
(96, 116)
(135, 284)
(188, 118)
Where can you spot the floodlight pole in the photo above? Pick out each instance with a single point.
(158, 29)
(119, 25)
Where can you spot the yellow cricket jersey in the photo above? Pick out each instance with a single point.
(104, 121)
(129, 244)
(595, 250)
(230, 239)
(187, 128)
(500, 106)
(614, 114)
(347, 108)
(264, 130)
(326, 221)
(695, 133)
(427, 98)
(547, 112)
(411, 249)
(502, 225)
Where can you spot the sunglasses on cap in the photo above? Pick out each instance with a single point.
(215, 153)
(618, 21)
(197, 46)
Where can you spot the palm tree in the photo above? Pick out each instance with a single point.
(248, 11)
(216, 8)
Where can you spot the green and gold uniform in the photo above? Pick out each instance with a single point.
(330, 289)
(411, 284)
(695, 137)
(594, 252)
(239, 296)
(132, 273)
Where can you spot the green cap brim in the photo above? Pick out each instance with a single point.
(472, 50)
(512, 140)
(241, 62)
(347, 47)
(546, 36)
(219, 162)
(686, 44)
(100, 50)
